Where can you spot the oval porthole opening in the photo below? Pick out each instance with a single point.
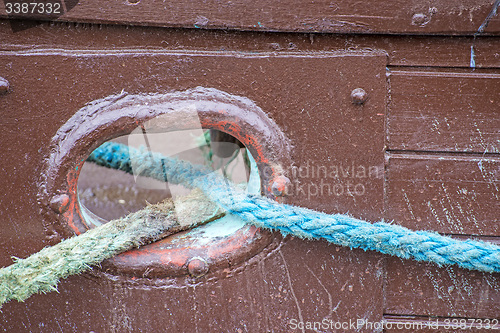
(69, 206)
(105, 194)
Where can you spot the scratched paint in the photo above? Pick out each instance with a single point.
(481, 30)
(249, 297)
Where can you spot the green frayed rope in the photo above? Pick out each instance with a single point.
(41, 272)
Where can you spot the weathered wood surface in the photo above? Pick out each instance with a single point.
(394, 16)
(54, 69)
(425, 290)
(445, 193)
(444, 110)
(402, 50)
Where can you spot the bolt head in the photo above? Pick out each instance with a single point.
(419, 19)
(197, 267)
(359, 96)
(4, 85)
(59, 203)
(279, 186)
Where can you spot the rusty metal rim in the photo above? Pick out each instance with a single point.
(186, 280)
(117, 115)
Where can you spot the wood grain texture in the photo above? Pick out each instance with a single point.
(394, 16)
(444, 110)
(54, 69)
(402, 50)
(445, 193)
(427, 290)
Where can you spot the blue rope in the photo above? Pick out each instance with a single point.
(301, 222)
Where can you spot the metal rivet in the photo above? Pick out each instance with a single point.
(280, 185)
(59, 203)
(419, 19)
(197, 267)
(275, 46)
(4, 85)
(359, 96)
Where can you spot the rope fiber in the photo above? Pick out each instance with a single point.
(339, 229)
(42, 271)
